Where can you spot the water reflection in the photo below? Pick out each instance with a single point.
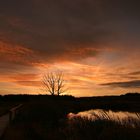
(102, 114)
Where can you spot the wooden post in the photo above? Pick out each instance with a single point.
(13, 112)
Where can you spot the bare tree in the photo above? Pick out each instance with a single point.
(60, 83)
(54, 83)
(49, 83)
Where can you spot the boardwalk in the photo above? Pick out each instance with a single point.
(7, 118)
(4, 120)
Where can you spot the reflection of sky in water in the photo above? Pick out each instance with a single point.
(102, 114)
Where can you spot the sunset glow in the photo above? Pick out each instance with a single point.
(96, 47)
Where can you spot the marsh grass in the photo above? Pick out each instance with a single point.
(101, 128)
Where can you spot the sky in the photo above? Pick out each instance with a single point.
(95, 43)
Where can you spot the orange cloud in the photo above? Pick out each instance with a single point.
(8, 48)
(24, 77)
(16, 53)
(29, 83)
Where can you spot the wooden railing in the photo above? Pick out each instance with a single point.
(13, 112)
(8, 118)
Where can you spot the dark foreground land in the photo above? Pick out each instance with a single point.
(44, 117)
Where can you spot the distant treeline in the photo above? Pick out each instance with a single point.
(29, 97)
(26, 97)
(125, 102)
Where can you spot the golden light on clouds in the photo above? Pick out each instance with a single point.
(95, 44)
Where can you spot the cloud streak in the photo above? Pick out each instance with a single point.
(127, 84)
(15, 53)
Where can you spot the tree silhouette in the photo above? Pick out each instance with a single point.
(54, 83)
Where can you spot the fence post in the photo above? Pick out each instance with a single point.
(13, 112)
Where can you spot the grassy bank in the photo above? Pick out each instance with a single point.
(100, 129)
